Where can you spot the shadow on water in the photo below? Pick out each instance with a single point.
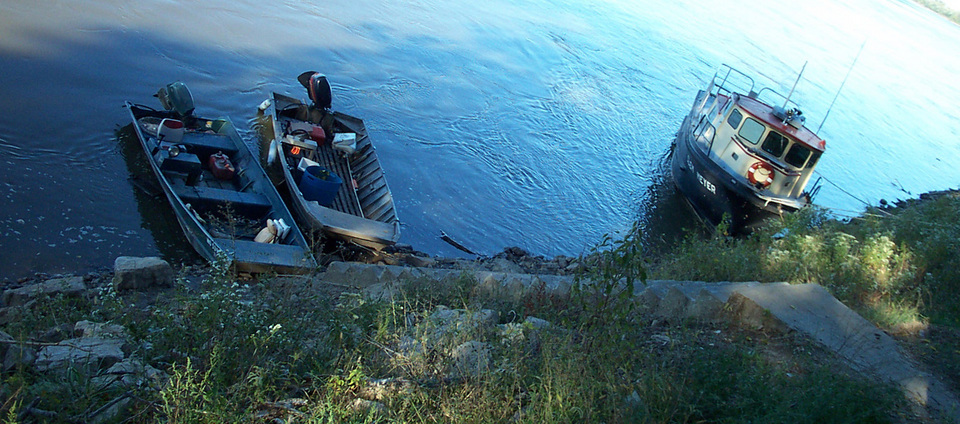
(507, 176)
(156, 215)
(665, 217)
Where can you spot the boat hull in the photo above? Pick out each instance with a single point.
(249, 197)
(364, 214)
(715, 194)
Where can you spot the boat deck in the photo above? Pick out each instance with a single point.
(346, 200)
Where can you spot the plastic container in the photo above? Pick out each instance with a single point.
(315, 188)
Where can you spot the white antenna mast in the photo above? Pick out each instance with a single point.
(841, 86)
(787, 100)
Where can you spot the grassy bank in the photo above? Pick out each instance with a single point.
(298, 350)
(897, 266)
(942, 9)
(280, 349)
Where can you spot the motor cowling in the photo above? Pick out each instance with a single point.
(318, 89)
(176, 97)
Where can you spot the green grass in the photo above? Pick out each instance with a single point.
(236, 351)
(942, 9)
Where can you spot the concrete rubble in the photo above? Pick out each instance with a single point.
(807, 309)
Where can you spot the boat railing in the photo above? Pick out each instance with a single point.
(732, 80)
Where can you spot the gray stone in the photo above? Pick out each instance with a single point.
(14, 313)
(5, 340)
(86, 353)
(381, 292)
(536, 323)
(673, 304)
(96, 329)
(134, 273)
(67, 286)
(470, 359)
(130, 373)
(117, 408)
(461, 319)
(368, 407)
(705, 307)
(57, 334)
(504, 265)
(338, 273)
(18, 355)
(384, 388)
(368, 276)
(572, 267)
(419, 261)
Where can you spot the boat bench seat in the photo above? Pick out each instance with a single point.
(282, 255)
(252, 204)
(204, 144)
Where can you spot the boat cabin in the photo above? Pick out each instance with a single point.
(766, 146)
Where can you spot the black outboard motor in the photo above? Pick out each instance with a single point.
(317, 88)
(176, 97)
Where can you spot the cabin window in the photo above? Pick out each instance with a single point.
(752, 130)
(775, 143)
(734, 119)
(813, 160)
(705, 134)
(797, 155)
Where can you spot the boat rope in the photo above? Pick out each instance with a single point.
(824, 177)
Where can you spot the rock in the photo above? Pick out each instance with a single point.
(550, 267)
(536, 323)
(504, 265)
(470, 359)
(515, 252)
(130, 373)
(459, 320)
(18, 355)
(57, 334)
(117, 408)
(66, 286)
(87, 353)
(96, 329)
(133, 273)
(368, 407)
(705, 307)
(14, 313)
(419, 261)
(4, 338)
(573, 267)
(384, 388)
(746, 312)
(673, 304)
(382, 292)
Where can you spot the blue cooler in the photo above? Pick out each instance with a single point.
(315, 188)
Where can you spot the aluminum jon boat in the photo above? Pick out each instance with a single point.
(223, 199)
(330, 168)
(741, 157)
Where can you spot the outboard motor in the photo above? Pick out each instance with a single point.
(317, 88)
(176, 97)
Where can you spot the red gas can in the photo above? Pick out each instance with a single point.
(221, 166)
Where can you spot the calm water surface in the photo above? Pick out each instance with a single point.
(542, 125)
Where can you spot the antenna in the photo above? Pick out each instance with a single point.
(841, 86)
(794, 85)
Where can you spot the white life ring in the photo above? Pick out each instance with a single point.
(760, 173)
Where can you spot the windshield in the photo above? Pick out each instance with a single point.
(797, 155)
(751, 130)
(775, 143)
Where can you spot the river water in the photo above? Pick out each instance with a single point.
(541, 124)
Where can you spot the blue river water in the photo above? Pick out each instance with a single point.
(542, 124)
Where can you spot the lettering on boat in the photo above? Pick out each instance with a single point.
(712, 188)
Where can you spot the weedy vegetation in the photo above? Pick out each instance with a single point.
(295, 350)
